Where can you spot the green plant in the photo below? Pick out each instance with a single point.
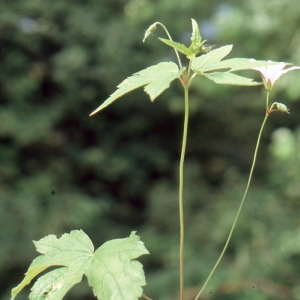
(111, 270)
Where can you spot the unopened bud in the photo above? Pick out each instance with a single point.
(149, 31)
(281, 107)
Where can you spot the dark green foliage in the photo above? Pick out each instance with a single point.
(117, 172)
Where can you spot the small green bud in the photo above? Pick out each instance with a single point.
(196, 37)
(149, 31)
(198, 45)
(282, 108)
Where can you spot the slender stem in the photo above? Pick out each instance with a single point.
(146, 297)
(239, 210)
(181, 164)
(267, 102)
(170, 38)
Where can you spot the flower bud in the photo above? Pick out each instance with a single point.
(281, 107)
(150, 31)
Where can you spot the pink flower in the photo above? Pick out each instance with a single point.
(271, 74)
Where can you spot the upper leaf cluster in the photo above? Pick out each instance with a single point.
(157, 78)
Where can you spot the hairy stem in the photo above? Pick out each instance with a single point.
(239, 210)
(181, 164)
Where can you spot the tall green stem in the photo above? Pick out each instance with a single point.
(181, 164)
(240, 207)
(267, 101)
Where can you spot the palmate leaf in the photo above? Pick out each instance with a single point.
(156, 79)
(212, 62)
(111, 270)
(208, 61)
(206, 65)
(233, 64)
(237, 64)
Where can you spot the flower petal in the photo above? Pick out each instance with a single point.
(271, 74)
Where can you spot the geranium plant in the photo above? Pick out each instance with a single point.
(112, 270)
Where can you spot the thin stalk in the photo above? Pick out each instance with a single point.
(146, 297)
(239, 210)
(181, 164)
(267, 101)
(170, 38)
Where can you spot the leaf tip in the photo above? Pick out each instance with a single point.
(94, 112)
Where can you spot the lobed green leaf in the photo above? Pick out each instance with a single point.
(208, 61)
(206, 64)
(212, 61)
(56, 252)
(113, 266)
(156, 79)
(111, 270)
(237, 64)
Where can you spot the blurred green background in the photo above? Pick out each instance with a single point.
(118, 171)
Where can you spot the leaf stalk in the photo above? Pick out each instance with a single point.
(240, 207)
(181, 212)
